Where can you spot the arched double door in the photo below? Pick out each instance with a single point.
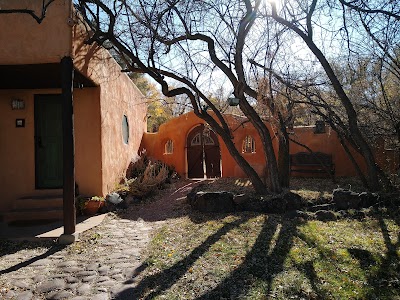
(203, 153)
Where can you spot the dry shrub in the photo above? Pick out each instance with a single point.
(153, 177)
(144, 176)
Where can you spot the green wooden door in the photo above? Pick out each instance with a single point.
(48, 141)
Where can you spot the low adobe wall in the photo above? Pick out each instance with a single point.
(177, 130)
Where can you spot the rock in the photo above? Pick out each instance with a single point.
(257, 205)
(24, 296)
(52, 285)
(191, 196)
(83, 289)
(325, 215)
(322, 207)
(21, 284)
(103, 270)
(114, 198)
(276, 205)
(60, 295)
(293, 201)
(221, 202)
(345, 199)
(292, 214)
(368, 199)
(241, 199)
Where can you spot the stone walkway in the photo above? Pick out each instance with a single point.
(106, 262)
(99, 272)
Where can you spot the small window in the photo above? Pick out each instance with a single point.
(319, 127)
(125, 129)
(208, 140)
(249, 145)
(196, 140)
(169, 147)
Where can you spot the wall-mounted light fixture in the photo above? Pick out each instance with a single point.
(17, 104)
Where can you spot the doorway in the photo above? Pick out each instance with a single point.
(48, 142)
(203, 153)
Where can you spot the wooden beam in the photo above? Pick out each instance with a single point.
(67, 78)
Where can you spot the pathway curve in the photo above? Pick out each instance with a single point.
(107, 260)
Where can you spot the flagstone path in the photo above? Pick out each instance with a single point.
(107, 261)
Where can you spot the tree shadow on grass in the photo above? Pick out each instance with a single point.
(160, 282)
(383, 277)
(262, 263)
(385, 282)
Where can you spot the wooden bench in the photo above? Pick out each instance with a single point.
(317, 162)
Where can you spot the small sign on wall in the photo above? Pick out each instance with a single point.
(20, 123)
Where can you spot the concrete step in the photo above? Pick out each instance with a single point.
(49, 213)
(38, 202)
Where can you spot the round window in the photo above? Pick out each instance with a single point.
(125, 129)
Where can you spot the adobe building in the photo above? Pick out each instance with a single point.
(67, 114)
(180, 141)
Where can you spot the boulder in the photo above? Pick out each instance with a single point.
(283, 203)
(220, 202)
(191, 196)
(329, 206)
(298, 214)
(345, 199)
(325, 215)
(257, 205)
(276, 205)
(368, 199)
(241, 199)
(293, 201)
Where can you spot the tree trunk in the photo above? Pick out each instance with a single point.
(355, 132)
(284, 160)
(258, 185)
(272, 166)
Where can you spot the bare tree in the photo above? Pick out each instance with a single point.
(266, 53)
(179, 43)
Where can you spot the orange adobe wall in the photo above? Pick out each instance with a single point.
(177, 130)
(26, 42)
(119, 97)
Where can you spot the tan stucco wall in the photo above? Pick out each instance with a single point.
(87, 126)
(118, 97)
(17, 151)
(27, 42)
(101, 156)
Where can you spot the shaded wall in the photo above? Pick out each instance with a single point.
(26, 42)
